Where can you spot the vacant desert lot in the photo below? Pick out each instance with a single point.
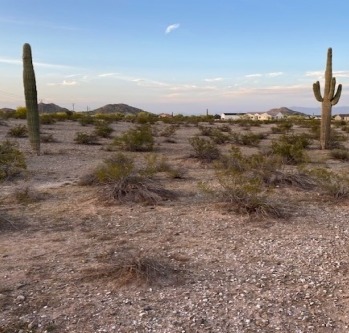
(71, 262)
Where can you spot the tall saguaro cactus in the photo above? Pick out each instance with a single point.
(329, 98)
(31, 100)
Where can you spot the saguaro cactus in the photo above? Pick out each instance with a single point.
(329, 98)
(31, 100)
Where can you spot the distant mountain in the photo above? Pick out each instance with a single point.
(117, 108)
(7, 110)
(50, 108)
(317, 110)
(285, 111)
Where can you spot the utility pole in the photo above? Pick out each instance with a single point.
(73, 106)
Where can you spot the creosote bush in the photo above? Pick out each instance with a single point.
(86, 138)
(136, 139)
(205, 149)
(291, 148)
(120, 181)
(103, 129)
(18, 131)
(12, 161)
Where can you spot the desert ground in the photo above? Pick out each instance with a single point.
(202, 267)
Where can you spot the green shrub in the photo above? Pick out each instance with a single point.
(136, 139)
(85, 120)
(291, 148)
(169, 131)
(248, 139)
(282, 127)
(47, 119)
(205, 149)
(12, 160)
(120, 181)
(103, 129)
(85, 138)
(18, 131)
(21, 113)
(330, 183)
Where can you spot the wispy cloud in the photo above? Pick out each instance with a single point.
(215, 79)
(36, 64)
(107, 74)
(274, 74)
(253, 75)
(63, 83)
(172, 27)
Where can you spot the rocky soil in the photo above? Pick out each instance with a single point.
(70, 262)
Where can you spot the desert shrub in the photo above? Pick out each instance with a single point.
(345, 128)
(247, 123)
(145, 118)
(330, 183)
(246, 195)
(120, 181)
(205, 149)
(219, 137)
(12, 161)
(21, 113)
(27, 195)
(136, 139)
(47, 138)
(18, 131)
(169, 131)
(225, 128)
(85, 120)
(340, 154)
(248, 139)
(47, 119)
(282, 127)
(291, 148)
(126, 267)
(155, 164)
(103, 129)
(86, 138)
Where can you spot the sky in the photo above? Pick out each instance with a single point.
(180, 56)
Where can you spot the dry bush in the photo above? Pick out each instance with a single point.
(86, 138)
(331, 184)
(127, 268)
(137, 189)
(247, 196)
(27, 195)
(18, 131)
(205, 149)
(120, 181)
(12, 161)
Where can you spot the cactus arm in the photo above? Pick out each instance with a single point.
(31, 101)
(317, 92)
(336, 97)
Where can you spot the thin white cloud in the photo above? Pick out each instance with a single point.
(253, 75)
(216, 79)
(36, 64)
(63, 83)
(172, 27)
(275, 74)
(107, 74)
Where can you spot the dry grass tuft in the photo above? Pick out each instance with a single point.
(136, 189)
(128, 268)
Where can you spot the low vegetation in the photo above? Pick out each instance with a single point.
(12, 161)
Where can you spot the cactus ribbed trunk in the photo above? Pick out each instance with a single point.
(31, 100)
(329, 98)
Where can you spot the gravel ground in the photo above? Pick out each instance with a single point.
(213, 270)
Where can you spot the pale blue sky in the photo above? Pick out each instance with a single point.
(181, 56)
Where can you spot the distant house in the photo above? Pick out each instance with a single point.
(231, 116)
(259, 116)
(165, 115)
(341, 116)
(279, 115)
